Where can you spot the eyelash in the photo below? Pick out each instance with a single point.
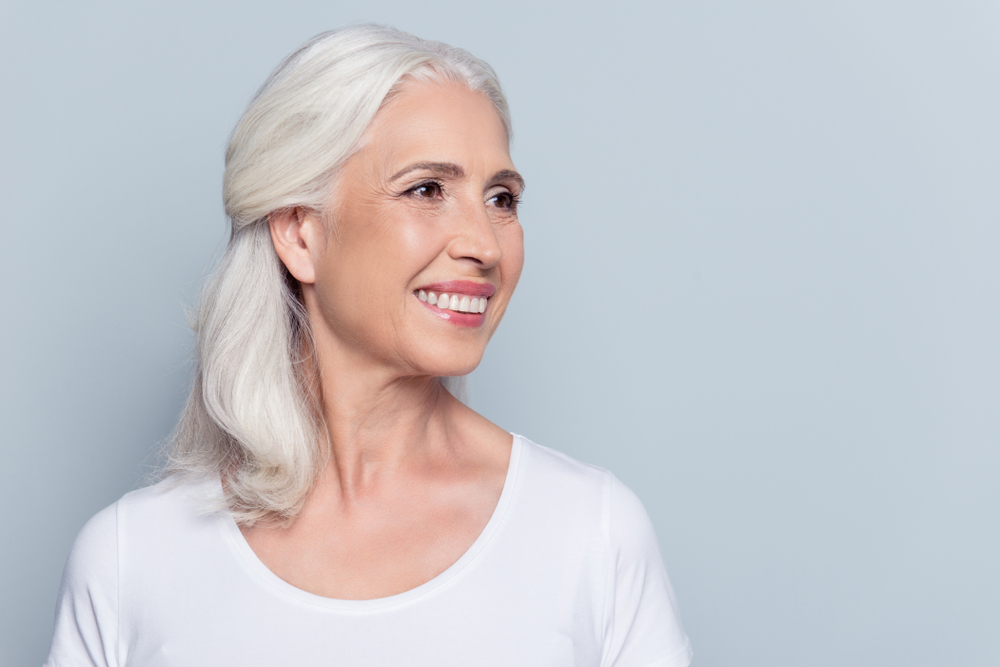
(425, 184)
(513, 199)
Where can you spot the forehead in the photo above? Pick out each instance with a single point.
(437, 120)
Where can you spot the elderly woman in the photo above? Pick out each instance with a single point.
(329, 501)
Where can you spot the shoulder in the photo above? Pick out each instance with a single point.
(582, 506)
(173, 495)
(96, 548)
(562, 476)
(94, 555)
(561, 470)
(160, 524)
(86, 619)
(88, 612)
(583, 497)
(95, 559)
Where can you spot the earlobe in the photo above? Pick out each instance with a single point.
(293, 238)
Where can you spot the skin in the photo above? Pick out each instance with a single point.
(413, 475)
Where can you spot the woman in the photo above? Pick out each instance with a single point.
(330, 501)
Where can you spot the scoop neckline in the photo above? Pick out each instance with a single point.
(277, 585)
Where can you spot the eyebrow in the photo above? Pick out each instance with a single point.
(509, 174)
(446, 168)
(452, 170)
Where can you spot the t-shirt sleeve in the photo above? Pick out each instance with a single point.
(86, 627)
(644, 627)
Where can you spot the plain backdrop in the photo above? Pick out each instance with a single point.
(762, 286)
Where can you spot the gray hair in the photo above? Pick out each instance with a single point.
(249, 417)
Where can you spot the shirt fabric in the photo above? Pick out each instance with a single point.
(567, 572)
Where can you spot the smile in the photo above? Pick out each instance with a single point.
(461, 303)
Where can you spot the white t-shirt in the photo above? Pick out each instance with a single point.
(566, 572)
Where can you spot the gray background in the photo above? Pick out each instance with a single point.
(761, 286)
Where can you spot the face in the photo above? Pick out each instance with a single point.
(423, 247)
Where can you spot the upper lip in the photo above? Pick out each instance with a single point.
(460, 287)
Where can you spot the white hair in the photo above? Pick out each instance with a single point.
(249, 417)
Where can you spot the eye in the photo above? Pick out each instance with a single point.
(426, 190)
(506, 200)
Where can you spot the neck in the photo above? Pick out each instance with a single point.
(379, 421)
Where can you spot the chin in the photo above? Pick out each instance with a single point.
(455, 371)
(454, 368)
(444, 355)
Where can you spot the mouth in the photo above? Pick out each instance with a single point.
(460, 303)
(457, 296)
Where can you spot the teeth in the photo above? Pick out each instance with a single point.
(457, 302)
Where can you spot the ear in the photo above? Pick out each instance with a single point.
(298, 240)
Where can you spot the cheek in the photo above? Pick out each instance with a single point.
(383, 249)
(376, 263)
(417, 241)
(511, 239)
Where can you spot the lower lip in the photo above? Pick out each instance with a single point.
(471, 320)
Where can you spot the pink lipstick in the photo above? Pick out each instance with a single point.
(461, 302)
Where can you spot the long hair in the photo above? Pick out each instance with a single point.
(249, 417)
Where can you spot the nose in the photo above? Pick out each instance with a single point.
(475, 238)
